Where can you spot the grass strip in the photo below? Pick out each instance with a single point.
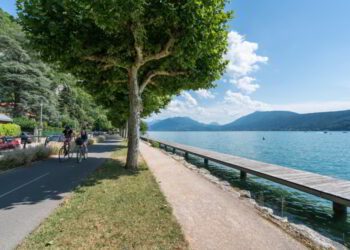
(114, 208)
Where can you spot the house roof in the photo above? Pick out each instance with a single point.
(5, 118)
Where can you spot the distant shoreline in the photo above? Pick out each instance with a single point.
(320, 131)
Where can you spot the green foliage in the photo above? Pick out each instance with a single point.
(27, 82)
(10, 28)
(155, 144)
(143, 127)
(181, 42)
(10, 130)
(133, 55)
(25, 123)
(23, 79)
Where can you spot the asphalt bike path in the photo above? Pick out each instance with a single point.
(30, 194)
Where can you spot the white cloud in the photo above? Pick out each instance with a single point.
(242, 56)
(233, 106)
(189, 99)
(206, 94)
(243, 61)
(246, 84)
(244, 101)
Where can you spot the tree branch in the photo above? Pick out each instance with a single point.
(107, 61)
(153, 74)
(163, 53)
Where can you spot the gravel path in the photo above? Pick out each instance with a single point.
(210, 217)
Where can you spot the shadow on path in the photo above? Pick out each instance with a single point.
(50, 179)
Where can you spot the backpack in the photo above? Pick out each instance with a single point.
(79, 141)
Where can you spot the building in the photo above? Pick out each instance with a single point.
(5, 119)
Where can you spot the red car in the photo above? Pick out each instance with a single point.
(7, 142)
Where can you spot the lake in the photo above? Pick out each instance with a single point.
(318, 152)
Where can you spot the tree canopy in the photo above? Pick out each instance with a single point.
(26, 82)
(143, 50)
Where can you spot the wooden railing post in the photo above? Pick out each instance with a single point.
(339, 210)
(186, 155)
(243, 175)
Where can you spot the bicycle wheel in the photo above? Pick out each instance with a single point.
(70, 152)
(85, 153)
(79, 154)
(62, 154)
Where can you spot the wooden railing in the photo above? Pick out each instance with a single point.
(335, 190)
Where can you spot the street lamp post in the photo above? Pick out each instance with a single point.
(41, 114)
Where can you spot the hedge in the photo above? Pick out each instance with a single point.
(10, 129)
(26, 124)
(22, 157)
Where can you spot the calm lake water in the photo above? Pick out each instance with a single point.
(318, 152)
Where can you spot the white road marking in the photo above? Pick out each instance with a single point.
(23, 185)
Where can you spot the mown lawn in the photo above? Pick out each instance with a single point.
(114, 209)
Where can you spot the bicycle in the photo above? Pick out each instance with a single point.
(65, 153)
(81, 152)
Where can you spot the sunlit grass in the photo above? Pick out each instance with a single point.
(114, 209)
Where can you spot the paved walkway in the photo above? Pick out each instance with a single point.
(28, 195)
(210, 217)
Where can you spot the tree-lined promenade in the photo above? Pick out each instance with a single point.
(133, 56)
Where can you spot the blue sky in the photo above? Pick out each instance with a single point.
(284, 55)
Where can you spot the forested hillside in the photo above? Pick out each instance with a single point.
(264, 121)
(26, 83)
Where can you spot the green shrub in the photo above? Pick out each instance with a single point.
(25, 123)
(22, 157)
(10, 129)
(155, 144)
(143, 127)
(100, 138)
(91, 141)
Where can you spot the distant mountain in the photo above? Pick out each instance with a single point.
(181, 124)
(282, 120)
(153, 122)
(214, 123)
(264, 121)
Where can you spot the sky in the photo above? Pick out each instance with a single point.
(283, 55)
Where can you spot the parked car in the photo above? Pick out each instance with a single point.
(8, 142)
(26, 137)
(54, 138)
(97, 133)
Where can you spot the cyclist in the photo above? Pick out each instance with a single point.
(81, 142)
(68, 135)
(84, 137)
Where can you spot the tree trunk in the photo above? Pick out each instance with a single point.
(126, 130)
(135, 103)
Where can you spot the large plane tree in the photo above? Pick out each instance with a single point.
(154, 47)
